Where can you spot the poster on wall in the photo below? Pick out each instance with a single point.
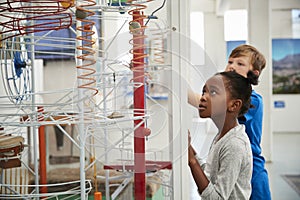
(286, 66)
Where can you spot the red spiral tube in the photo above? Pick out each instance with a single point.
(47, 15)
(35, 7)
(20, 26)
(86, 45)
(138, 60)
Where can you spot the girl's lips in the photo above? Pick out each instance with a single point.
(201, 107)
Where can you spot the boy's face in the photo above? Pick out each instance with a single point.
(239, 64)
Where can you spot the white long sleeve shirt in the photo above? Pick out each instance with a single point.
(229, 167)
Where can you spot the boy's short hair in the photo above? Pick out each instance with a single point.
(257, 59)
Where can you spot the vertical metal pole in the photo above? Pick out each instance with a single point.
(139, 106)
(179, 118)
(42, 151)
(34, 128)
(81, 116)
(107, 193)
(81, 144)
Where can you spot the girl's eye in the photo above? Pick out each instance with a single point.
(204, 90)
(213, 92)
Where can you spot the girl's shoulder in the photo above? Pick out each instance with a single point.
(236, 136)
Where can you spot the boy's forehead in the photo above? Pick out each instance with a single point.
(244, 57)
(241, 53)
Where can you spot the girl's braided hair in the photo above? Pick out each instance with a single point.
(240, 87)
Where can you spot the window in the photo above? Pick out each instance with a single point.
(235, 25)
(197, 38)
(235, 29)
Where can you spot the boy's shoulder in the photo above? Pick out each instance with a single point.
(256, 96)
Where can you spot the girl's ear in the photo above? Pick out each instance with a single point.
(235, 105)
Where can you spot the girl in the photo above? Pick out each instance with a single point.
(227, 171)
(242, 59)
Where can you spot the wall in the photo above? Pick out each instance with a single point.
(58, 76)
(285, 119)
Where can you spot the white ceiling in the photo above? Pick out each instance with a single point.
(220, 6)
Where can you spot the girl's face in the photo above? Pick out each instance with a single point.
(213, 102)
(239, 64)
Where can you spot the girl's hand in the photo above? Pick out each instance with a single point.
(189, 138)
(191, 151)
(189, 143)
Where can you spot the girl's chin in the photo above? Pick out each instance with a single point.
(203, 115)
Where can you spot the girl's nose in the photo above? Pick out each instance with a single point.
(203, 97)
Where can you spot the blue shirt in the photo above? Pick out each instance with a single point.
(253, 123)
